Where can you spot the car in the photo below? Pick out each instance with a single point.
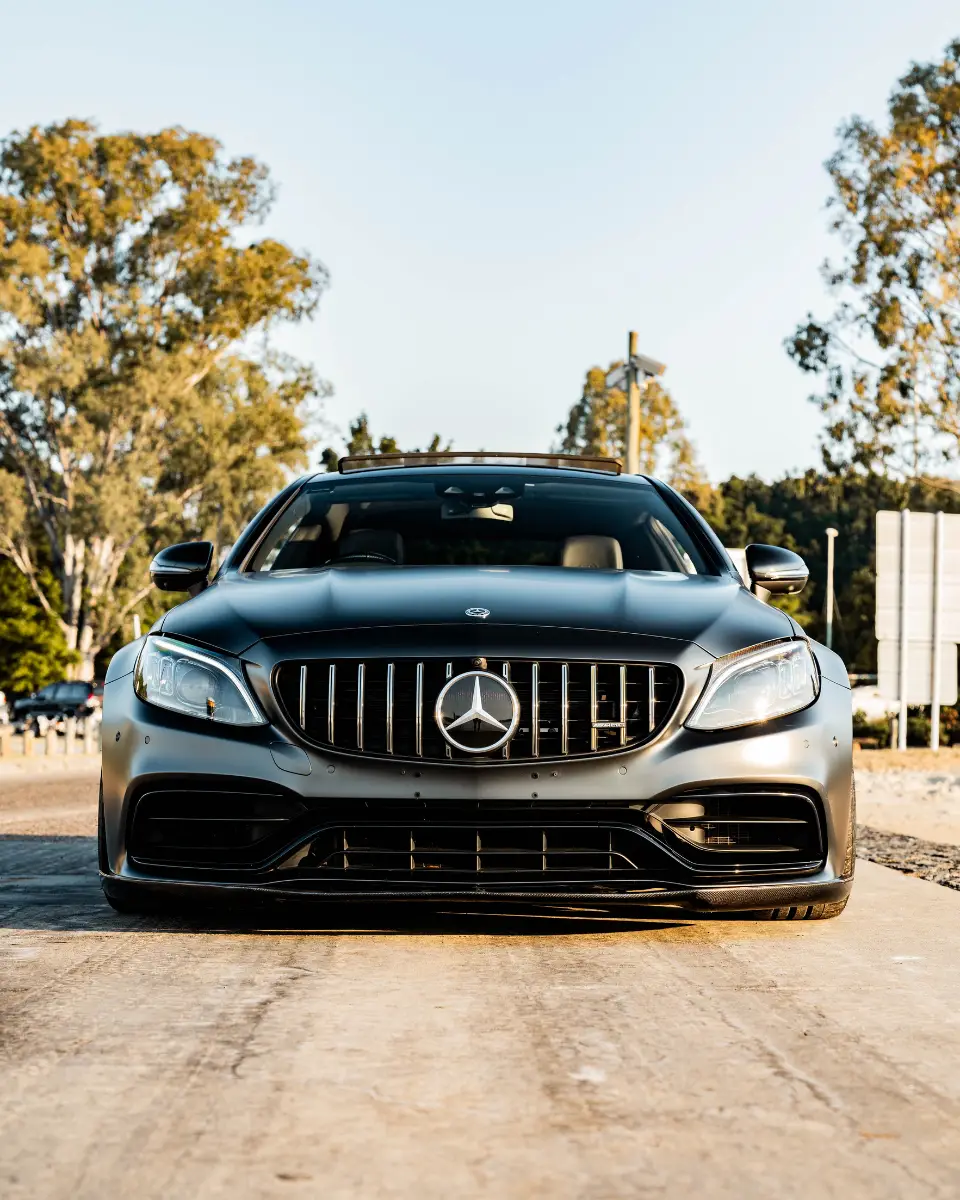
(53, 704)
(509, 678)
(4, 709)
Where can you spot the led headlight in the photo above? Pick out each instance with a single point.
(193, 682)
(746, 688)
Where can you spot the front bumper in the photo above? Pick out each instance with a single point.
(147, 749)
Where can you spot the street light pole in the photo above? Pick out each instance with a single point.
(632, 447)
(627, 376)
(831, 537)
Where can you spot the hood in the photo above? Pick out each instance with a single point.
(715, 612)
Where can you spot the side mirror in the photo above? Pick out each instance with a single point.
(779, 571)
(183, 568)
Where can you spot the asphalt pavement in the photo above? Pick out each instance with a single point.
(460, 1053)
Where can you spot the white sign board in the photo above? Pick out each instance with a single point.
(919, 671)
(919, 577)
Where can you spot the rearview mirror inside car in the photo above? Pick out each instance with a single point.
(182, 568)
(779, 571)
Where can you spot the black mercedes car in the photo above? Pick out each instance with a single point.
(489, 677)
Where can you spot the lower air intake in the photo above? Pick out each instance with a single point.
(469, 851)
(742, 825)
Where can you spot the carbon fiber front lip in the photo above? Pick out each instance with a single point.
(740, 898)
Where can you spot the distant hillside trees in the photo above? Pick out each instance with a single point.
(362, 441)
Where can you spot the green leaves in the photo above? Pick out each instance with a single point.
(132, 406)
(889, 355)
(597, 425)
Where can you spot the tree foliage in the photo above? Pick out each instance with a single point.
(362, 441)
(795, 512)
(889, 354)
(33, 650)
(597, 425)
(134, 407)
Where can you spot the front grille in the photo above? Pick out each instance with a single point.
(744, 824)
(567, 709)
(471, 850)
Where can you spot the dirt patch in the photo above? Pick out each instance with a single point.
(911, 855)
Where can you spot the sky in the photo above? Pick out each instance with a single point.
(501, 191)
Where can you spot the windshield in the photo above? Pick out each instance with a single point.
(480, 518)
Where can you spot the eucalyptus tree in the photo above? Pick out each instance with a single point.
(888, 356)
(139, 397)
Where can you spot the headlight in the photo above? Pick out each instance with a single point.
(172, 675)
(747, 688)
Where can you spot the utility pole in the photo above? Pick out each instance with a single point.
(628, 377)
(632, 447)
(831, 537)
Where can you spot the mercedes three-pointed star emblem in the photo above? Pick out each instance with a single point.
(477, 712)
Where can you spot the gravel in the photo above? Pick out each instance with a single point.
(935, 861)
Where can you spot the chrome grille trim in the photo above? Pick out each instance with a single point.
(385, 707)
(361, 679)
(391, 672)
(331, 702)
(506, 674)
(594, 736)
(418, 713)
(535, 710)
(652, 698)
(564, 709)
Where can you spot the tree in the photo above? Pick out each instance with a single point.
(889, 355)
(361, 441)
(33, 650)
(139, 398)
(597, 425)
(795, 512)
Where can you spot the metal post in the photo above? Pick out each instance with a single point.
(831, 535)
(632, 447)
(937, 625)
(904, 641)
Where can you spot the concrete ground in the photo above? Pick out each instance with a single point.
(457, 1053)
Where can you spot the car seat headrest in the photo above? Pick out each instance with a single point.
(588, 550)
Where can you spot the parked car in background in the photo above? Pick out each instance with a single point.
(55, 703)
(4, 710)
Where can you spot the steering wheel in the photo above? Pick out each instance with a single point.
(369, 557)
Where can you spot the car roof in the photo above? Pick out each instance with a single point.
(426, 471)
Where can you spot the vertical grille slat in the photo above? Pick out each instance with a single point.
(361, 681)
(594, 733)
(391, 670)
(535, 710)
(651, 699)
(418, 713)
(567, 709)
(564, 708)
